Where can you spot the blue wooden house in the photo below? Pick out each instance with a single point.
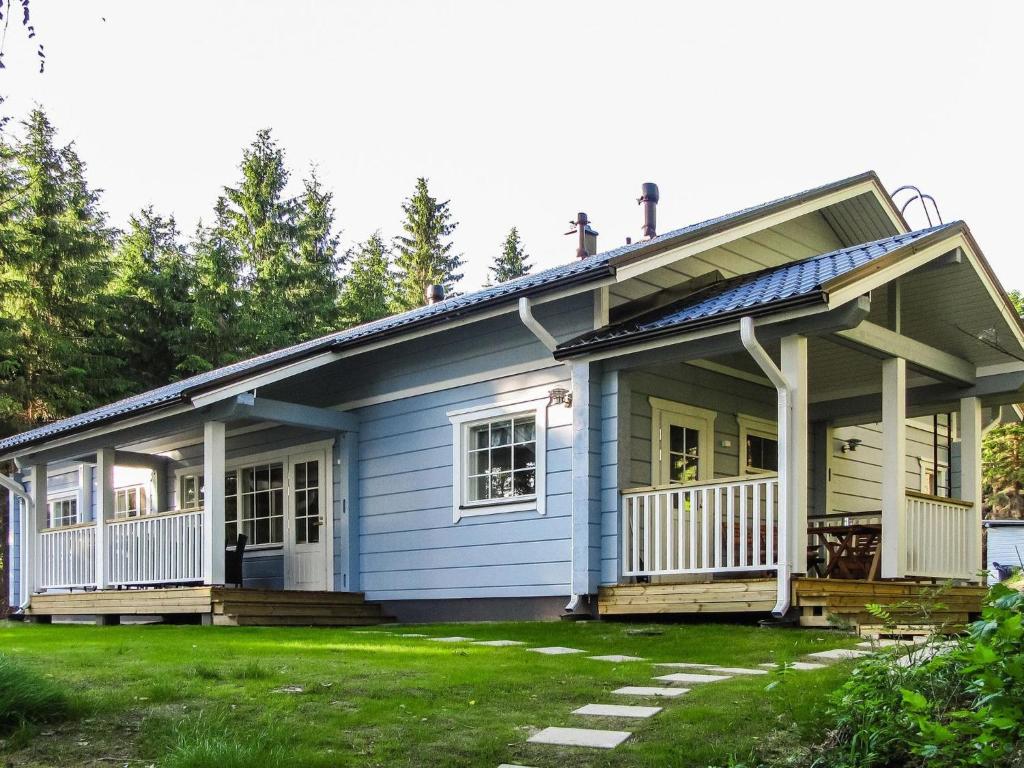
(778, 410)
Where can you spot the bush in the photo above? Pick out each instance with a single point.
(961, 706)
(26, 697)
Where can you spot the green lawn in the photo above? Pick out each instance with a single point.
(210, 696)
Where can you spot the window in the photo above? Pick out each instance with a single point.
(132, 501)
(190, 492)
(682, 442)
(498, 459)
(759, 445)
(62, 511)
(928, 484)
(253, 502)
(306, 495)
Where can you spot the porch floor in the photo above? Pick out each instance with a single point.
(818, 602)
(216, 604)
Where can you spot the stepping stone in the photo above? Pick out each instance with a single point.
(616, 658)
(800, 665)
(412, 634)
(883, 643)
(651, 690)
(454, 639)
(691, 677)
(580, 737)
(616, 710)
(738, 671)
(684, 665)
(840, 654)
(498, 643)
(555, 650)
(510, 765)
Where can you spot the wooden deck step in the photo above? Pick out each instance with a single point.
(739, 596)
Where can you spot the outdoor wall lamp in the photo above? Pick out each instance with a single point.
(560, 396)
(849, 446)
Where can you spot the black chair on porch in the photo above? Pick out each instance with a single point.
(233, 561)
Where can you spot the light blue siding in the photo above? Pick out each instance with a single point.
(263, 570)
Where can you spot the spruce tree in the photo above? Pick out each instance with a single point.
(55, 275)
(424, 252)
(315, 282)
(512, 261)
(369, 288)
(153, 278)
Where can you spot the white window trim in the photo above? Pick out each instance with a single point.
(758, 427)
(702, 418)
(925, 464)
(283, 455)
(461, 422)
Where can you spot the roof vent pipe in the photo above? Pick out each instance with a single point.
(649, 200)
(434, 294)
(586, 236)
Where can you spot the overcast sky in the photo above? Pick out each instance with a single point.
(523, 113)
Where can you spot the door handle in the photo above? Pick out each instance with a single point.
(319, 521)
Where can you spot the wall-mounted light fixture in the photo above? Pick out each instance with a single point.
(560, 396)
(849, 446)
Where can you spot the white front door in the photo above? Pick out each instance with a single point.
(682, 443)
(307, 531)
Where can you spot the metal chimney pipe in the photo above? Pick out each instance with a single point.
(586, 236)
(649, 200)
(434, 294)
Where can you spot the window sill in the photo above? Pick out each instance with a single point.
(521, 504)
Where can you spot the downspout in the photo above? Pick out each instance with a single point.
(784, 390)
(18, 490)
(533, 326)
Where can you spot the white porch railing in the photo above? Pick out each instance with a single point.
(711, 527)
(67, 557)
(155, 549)
(941, 536)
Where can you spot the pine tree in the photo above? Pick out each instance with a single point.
(425, 252)
(153, 277)
(55, 274)
(315, 283)
(369, 289)
(512, 261)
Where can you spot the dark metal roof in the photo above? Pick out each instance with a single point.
(796, 283)
(579, 271)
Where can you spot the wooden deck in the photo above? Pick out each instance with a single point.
(819, 602)
(216, 605)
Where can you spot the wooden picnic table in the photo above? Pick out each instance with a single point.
(853, 550)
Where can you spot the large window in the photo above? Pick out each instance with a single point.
(132, 501)
(62, 511)
(253, 502)
(498, 460)
(759, 445)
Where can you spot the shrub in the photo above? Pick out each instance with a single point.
(960, 707)
(26, 697)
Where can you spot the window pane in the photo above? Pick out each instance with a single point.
(262, 504)
(524, 431)
(524, 456)
(501, 459)
(501, 433)
(230, 533)
(262, 531)
(248, 479)
(314, 531)
(478, 488)
(677, 439)
(479, 462)
(313, 501)
(277, 476)
(501, 485)
(300, 531)
(277, 528)
(479, 437)
(230, 484)
(300, 476)
(525, 482)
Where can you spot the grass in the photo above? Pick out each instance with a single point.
(27, 698)
(177, 696)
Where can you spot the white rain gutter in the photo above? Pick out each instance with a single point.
(784, 389)
(533, 326)
(18, 490)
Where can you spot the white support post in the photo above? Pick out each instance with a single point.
(213, 503)
(582, 499)
(794, 369)
(37, 522)
(971, 429)
(105, 461)
(894, 469)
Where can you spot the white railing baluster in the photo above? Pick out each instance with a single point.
(939, 535)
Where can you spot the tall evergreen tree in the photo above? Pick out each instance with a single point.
(316, 280)
(153, 278)
(55, 275)
(369, 289)
(512, 262)
(424, 252)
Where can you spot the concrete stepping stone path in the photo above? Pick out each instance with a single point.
(691, 677)
(736, 671)
(683, 665)
(555, 650)
(711, 668)
(453, 639)
(498, 643)
(510, 765)
(413, 634)
(617, 710)
(840, 654)
(651, 690)
(615, 657)
(580, 737)
(799, 665)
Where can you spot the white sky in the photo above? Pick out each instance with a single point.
(525, 112)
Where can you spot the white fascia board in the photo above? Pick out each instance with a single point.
(638, 268)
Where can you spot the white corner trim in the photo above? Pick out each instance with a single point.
(461, 422)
